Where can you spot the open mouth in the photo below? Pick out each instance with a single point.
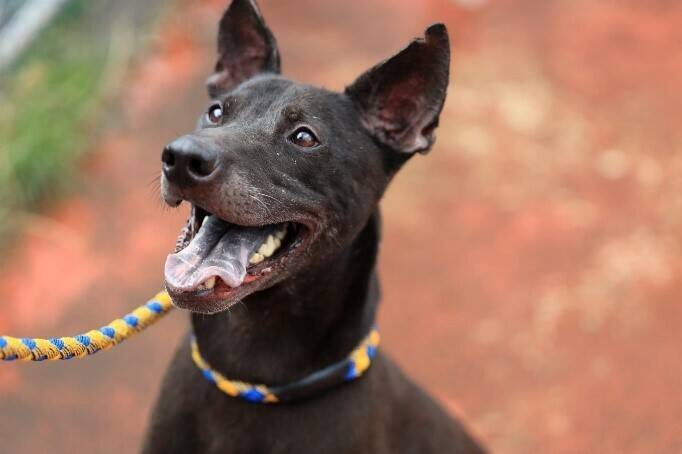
(216, 263)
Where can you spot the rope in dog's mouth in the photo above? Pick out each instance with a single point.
(81, 345)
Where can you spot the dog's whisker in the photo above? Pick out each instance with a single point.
(253, 196)
(269, 197)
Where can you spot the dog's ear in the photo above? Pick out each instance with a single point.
(246, 47)
(401, 98)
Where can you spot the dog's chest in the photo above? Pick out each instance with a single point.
(341, 421)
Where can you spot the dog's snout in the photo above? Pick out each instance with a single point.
(188, 162)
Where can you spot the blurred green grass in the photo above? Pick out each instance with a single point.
(51, 99)
(46, 99)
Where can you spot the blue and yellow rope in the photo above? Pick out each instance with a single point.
(348, 369)
(35, 349)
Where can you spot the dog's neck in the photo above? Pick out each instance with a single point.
(302, 325)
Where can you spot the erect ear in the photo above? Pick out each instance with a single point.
(246, 47)
(401, 98)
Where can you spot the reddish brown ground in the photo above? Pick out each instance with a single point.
(531, 263)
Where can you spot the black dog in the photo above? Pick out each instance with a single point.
(284, 181)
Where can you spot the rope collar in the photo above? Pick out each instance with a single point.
(348, 369)
(93, 341)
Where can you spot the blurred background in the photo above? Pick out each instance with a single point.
(531, 263)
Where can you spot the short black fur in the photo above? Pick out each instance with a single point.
(314, 307)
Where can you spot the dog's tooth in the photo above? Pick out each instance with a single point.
(266, 250)
(268, 247)
(209, 283)
(281, 233)
(271, 244)
(256, 258)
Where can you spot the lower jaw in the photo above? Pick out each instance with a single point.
(207, 306)
(217, 299)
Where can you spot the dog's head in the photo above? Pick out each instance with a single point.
(281, 175)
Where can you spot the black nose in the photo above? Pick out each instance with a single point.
(188, 162)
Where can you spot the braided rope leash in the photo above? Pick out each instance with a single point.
(35, 349)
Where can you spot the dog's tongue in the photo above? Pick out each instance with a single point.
(218, 249)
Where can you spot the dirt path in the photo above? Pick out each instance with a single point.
(531, 263)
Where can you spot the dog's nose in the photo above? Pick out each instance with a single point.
(188, 162)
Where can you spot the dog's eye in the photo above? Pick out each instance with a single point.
(215, 114)
(304, 137)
